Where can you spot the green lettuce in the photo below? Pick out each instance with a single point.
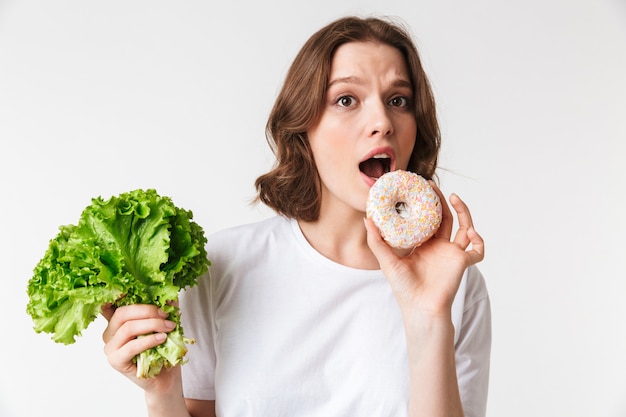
(136, 248)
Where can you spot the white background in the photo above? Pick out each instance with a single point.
(98, 98)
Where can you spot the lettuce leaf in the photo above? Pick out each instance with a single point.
(136, 248)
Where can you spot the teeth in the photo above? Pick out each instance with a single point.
(381, 156)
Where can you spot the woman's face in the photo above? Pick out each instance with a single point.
(367, 126)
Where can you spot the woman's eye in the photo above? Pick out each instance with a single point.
(399, 101)
(345, 101)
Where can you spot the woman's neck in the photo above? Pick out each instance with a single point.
(341, 238)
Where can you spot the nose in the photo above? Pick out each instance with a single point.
(380, 121)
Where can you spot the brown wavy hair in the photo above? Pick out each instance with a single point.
(292, 187)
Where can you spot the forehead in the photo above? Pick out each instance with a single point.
(366, 59)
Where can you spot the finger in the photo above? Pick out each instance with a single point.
(462, 211)
(447, 221)
(465, 221)
(107, 311)
(124, 314)
(477, 251)
(121, 358)
(377, 244)
(135, 328)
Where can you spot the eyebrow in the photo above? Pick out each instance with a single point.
(347, 80)
(399, 82)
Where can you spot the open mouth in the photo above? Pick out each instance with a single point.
(376, 166)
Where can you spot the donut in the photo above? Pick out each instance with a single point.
(405, 208)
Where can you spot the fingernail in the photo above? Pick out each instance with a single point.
(169, 324)
(160, 337)
(162, 313)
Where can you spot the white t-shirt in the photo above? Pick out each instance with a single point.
(283, 331)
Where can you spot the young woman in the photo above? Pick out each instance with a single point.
(311, 313)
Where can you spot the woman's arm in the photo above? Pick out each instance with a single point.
(434, 389)
(201, 408)
(425, 283)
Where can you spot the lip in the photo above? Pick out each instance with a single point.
(375, 151)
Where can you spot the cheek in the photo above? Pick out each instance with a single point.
(326, 161)
(317, 148)
(326, 140)
(321, 153)
(406, 146)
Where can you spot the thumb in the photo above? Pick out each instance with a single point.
(107, 311)
(379, 248)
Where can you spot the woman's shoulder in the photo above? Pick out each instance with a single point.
(248, 236)
(472, 292)
(476, 288)
(270, 225)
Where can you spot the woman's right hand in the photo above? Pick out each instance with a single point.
(164, 392)
(122, 344)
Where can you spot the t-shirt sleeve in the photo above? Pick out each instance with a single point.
(473, 347)
(198, 372)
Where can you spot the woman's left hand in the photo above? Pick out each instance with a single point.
(429, 277)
